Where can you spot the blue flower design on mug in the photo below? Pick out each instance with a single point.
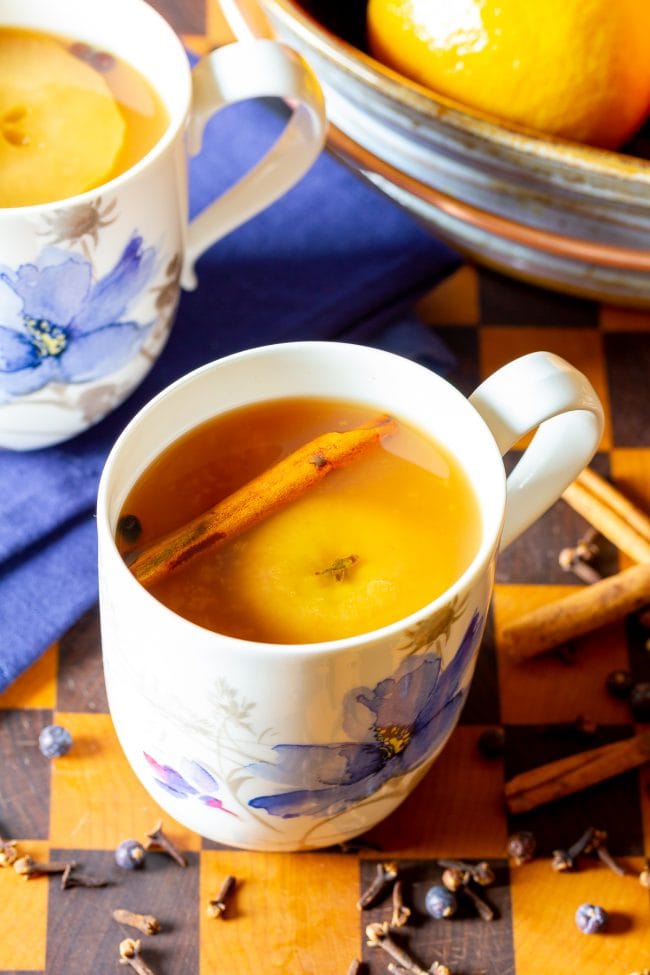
(393, 727)
(59, 324)
(195, 782)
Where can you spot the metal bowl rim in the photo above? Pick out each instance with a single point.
(421, 101)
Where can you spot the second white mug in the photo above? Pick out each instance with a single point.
(89, 284)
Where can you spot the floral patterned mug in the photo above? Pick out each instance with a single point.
(279, 747)
(89, 284)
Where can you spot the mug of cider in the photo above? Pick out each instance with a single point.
(296, 558)
(97, 102)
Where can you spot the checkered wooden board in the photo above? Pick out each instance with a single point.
(296, 913)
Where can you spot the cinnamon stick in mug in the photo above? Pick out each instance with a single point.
(259, 498)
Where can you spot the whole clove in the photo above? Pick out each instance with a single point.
(157, 840)
(217, 907)
(521, 847)
(378, 935)
(385, 874)
(401, 913)
(26, 866)
(146, 923)
(130, 955)
(562, 860)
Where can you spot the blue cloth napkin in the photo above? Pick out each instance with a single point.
(332, 259)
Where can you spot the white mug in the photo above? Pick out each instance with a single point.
(89, 284)
(290, 747)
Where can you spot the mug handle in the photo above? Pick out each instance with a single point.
(233, 73)
(540, 390)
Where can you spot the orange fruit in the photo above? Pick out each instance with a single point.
(579, 69)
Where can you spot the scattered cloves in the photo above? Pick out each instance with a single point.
(385, 875)
(158, 841)
(26, 866)
(130, 955)
(458, 875)
(378, 935)
(481, 873)
(217, 907)
(146, 923)
(401, 913)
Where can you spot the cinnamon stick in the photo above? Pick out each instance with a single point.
(613, 515)
(614, 499)
(581, 612)
(259, 498)
(568, 775)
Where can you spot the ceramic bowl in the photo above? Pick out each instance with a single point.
(552, 212)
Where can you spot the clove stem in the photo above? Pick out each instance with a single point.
(70, 879)
(378, 935)
(485, 912)
(401, 913)
(609, 861)
(385, 875)
(598, 845)
(157, 840)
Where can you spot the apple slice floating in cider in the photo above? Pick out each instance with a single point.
(61, 129)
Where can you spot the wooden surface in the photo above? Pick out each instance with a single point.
(297, 913)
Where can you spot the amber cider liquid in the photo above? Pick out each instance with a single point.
(368, 545)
